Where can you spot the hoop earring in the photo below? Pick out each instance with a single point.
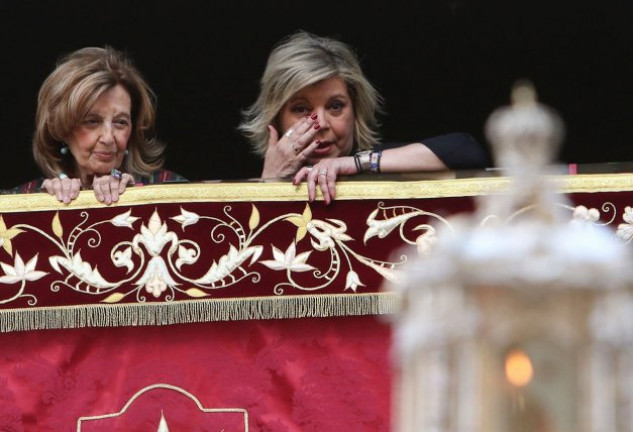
(64, 150)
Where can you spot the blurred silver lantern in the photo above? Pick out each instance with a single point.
(519, 319)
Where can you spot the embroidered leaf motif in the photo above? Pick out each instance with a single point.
(124, 220)
(307, 213)
(186, 256)
(113, 298)
(57, 226)
(123, 259)
(301, 222)
(195, 292)
(253, 222)
(6, 235)
(228, 263)
(186, 218)
(80, 269)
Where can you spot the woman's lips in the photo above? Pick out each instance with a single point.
(102, 156)
(323, 148)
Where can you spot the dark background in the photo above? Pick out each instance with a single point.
(442, 65)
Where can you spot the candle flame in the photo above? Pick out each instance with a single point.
(518, 368)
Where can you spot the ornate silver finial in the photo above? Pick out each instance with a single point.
(525, 136)
(519, 283)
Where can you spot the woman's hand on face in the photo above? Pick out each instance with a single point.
(286, 155)
(64, 189)
(107, 188)
(324, 174)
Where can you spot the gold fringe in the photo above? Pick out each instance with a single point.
(158, 314)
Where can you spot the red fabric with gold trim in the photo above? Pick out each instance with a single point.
(155, 253)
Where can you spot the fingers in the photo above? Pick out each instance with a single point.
(126, 179)
(284, 158)
(301, 135)
(75, 188)
(324, 183)
(301, 174)
(108, 188)
(319, 176)
(64, 189)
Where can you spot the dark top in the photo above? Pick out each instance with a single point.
(457, 150)
(162, 176)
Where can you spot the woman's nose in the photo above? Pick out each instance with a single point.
(107, 133)
(322, 118)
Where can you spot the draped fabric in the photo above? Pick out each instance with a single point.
(311, 374)
(235, 307)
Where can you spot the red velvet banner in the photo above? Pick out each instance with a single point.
(224, 306)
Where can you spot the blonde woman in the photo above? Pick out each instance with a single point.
(316, 118)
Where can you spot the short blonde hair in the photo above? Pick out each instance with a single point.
(303, 59)
(69, 92)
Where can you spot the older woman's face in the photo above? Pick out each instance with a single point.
(98, 143)
(331, 102)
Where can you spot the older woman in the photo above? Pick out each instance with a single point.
(94, 128)
(316, 118)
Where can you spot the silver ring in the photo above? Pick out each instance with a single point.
(288, 133)
(116, 174)
(323, 172)
(62, 175)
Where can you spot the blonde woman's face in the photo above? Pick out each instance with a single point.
(330, 101)
(98, 143)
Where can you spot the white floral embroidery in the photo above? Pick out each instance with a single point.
(426, 241)
(582, 215)
(625, 230)
(20, 272)
(124, 259)
(229, 262)
(80, 269)
(289, 260)
(156, 277)
(186, 218)
(353, 281)
(155, 236)
(124, 220)
(186, 256)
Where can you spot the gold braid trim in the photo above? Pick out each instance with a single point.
(346, 189)
(157, 314)
(164, 387)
